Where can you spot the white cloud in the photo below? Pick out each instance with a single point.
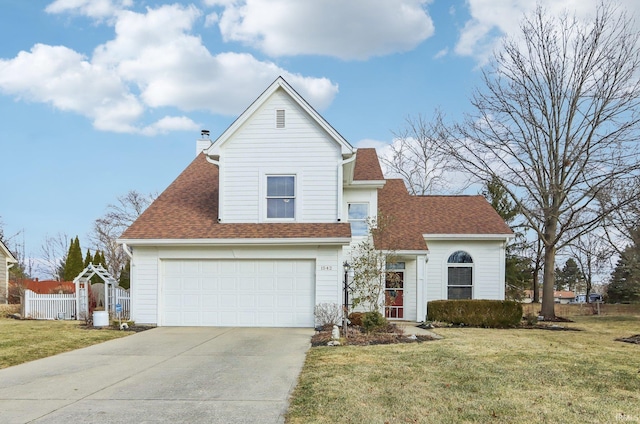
(92, 8)
(442, 53)
(493, 19)
(153, 61)
(67, 80)
(170, 123)
(355, 29)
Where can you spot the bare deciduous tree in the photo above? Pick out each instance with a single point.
(415, 158)
(54, 254)
(592, 254)
(623, 224)
(558, 123)
(118, 218)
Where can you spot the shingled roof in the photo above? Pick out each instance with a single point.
(405, 218)
(188, 209)
(367, 166)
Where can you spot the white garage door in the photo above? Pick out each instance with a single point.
(246, 293)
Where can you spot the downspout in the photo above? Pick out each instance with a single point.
(220, 186)
(340, 186)
(127, 250)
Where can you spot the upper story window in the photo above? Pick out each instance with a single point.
(281, 196)
(460, 275)
(280, 122)
(358, 214)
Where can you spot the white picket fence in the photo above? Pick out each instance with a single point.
(120, 297)
(63, 306)
(49, 306)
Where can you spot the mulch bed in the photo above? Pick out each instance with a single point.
(131, 328)
(392, 334)
(631, 339)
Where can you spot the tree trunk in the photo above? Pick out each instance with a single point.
(534, 287)
(548, 302)
(548, 276)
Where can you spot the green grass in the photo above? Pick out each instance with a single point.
(24, 341)
(479, 375)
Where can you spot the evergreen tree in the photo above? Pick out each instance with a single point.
(518, 271)
(570, 277)
(88, 259)
(74, 264)
(125, 275)
(625, 279)
(98, 259)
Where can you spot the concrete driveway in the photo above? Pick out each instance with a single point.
(167, 374)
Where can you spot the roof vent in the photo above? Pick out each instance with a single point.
(279, 118)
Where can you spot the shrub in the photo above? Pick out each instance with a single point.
(372, 321)
(356, 318)
(476, 313)
(328, 314)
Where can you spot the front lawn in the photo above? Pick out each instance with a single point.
(24, 341)
(479, 375)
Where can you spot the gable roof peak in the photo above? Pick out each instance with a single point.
(278, 84)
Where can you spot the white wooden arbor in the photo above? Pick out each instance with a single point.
(82, 289)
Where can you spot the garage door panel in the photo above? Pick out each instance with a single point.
(238, 292)
(247, 283)
(191, 283)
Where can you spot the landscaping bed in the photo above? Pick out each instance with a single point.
(357, 336)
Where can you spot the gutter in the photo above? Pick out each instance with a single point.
(236, 242)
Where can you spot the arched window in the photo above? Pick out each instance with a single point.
(460, 275)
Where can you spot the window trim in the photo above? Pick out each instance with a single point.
(470, 265)
(365, 220)
(267, 197)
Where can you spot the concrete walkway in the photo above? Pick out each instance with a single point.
(167, 374)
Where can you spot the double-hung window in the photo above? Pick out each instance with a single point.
(460, 276)
(358, 214)
(281, 196)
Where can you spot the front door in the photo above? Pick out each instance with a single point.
(393, 295)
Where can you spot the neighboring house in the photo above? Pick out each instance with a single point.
(7, 260)
(50, 286)
(255, 231)
(559, 296)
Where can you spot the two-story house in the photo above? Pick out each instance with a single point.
(255, 231)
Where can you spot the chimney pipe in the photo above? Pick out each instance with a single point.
(204, 142)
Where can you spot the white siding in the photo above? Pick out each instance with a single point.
(144, 285)
(328, 271)
(410, 289)
(488, 268)
(4, 284)
(147, 280)
(258, 148)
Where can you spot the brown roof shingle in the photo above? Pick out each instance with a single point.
(367, 166)
(188, 209)
(409, 217)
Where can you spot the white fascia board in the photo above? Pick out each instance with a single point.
(236, 241)
(366, 184)
(409, 252)
(503, 237)
(8, 254)
(214, 150)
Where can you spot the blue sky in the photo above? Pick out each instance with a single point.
(98, 97)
